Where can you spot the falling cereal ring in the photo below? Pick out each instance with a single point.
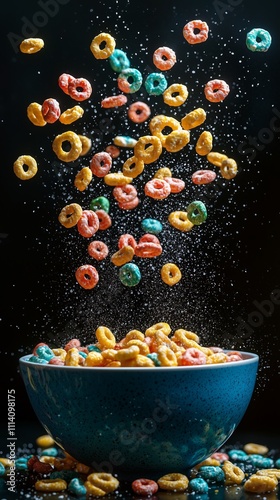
(192, 37)
(87, 276)
(25, 161)
(170, 274)
(75, 143)
(216, 90)
(109, 48)
(31, 45)
(70, 215)
(164, 58)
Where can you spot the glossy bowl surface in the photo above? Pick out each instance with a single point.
(140, 422)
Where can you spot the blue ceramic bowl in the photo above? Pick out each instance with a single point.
(140, 422)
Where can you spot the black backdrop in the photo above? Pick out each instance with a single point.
(230, 265)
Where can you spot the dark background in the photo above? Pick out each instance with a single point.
(230, 264)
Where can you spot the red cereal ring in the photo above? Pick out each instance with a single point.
(138, 112)
(79, 89)
(148, 237)
(56, 361)
(127, 240)
(113, 151)
(164, 58)
(190, 31)
(124, 193)
(158, 189)
(148, 249)
(176, 185)
(221, 456)
(144, 486)
(50, 110)
(104, 219)
(101, 163)
(63, 82)
(98, 250)
(87, 276)
(216, 90)
(114, 101)
(203, 176)
(88, 223)
(72, 343)
(129, 205)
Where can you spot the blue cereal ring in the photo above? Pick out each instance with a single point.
(36, 359)
(129, 274)
(50, 452)
(2, 469)
(212, 472)
(44, 352)
(154, 357)
(77, 487)
(127, 86)
(196, 212)
(260, 461)
(238, 455)
(155, 83)
(152, 226)
(92, 347)
(119, 61)
(198, 485)
(258, 40)
(100, 203)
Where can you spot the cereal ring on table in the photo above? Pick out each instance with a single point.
(193, 119)
(260, 484)
(233, 474)
(258, 40)
(146, 487)
(70, 215)
(170, 274)
(153, 226)
(197, 212)
(163, 172)
(25, 167)
(114, 101)
(176, 140)
(198, 485)
(175, 95)
(86, 144)
(158, 124)
(216, 158)
(179, 220)
(124, 141)
(34, 114)
(100, 203)
(216, 90)
(106, 339)
(203, 177)
(138, 112)
(204, 143)
(269, 472)
(130, 275)
(63, 81)
(75, 143)
(119, 61)
(101, 163)
(117, 179)
(76, 486)
(148, 249)
(122, 256)
(100, 40)
(113, 151)
(79, 89)
(190, 31)
(88, 223)
(129, 80)
(173, 482)
(124, 193)
(50, 485)
(31, 45)
(51, 110)
(155, 83)
(127, 239)
(104, 219)
(158, 189)
(133, 167)
(83, 178)
(176, 185)
(228, 168)
(98, 250)
(101, 481)
(71, 115)
(252, 448)
(87, 276)
(148, 148)
(164, 58)
(192, 356)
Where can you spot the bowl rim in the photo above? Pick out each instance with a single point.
(248, 358)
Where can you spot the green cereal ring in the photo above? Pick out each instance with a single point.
(258, 40)
(155, 83)
(196, 212)
(100, 203)
(119, 61)
(128, 86)
(129, 274)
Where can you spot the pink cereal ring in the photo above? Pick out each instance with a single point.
(203, 176)
(79, 89)
(218, 455)
(125, 193)
(164, 58)
(34, 352)
(101, 163)
(88, 223)
(127, 240)
(113, 151)
(50, 110)
(72, 343)
(148, 237)
(87, 276)
(138, 112)
(56, 361)
(98, 250)
(146, 487)
(129, 205)
(63, 82)
(192, 356)
(190, 31)
(104, 219)
(158, 189)
(114, 101)
(176, 185)
(216, 90)
(148, 249)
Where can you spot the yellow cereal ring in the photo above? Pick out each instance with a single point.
(72, 357)
(123, 255)
(94, 359)
(208, 461)
(47, 460)
(260, 484)
(106, 339)
(50, 485)
(75, 143)
(152, 152)
(45, 441)
(6, 462)
(162, 172)
(114, 364)
(71, 115)
(133, 335)
(177, 140)
(166, 356)
(186, 342)
(105, 52)
(233, 474)
(173, 482)
(31, 45)
(70, 215)
(193, 119)
(216, 158)
(186, 334)
(217, 357)
(158, 327)
(104, 481)
(127, 353)
(133, 167)
(86, 144)
(204, 143)
(143, 347)
(229, 168)
(34, 114)
(179, 220)
(254, 448)
(25, 173)
(170, 274)
(158, 124)
(117, 179)
(139, 360)
(59, 352)
(181, 94)
(269, 472)
(83, 178)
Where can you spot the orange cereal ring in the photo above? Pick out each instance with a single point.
(216, 90)
(149, 237)
(170, 274)
(83, 178)
(31, 45)
(164, 58)
(63, 82)
(101, 163)
(204, 143)
(98, 250)
(179, 220)
(144, 151)
(88, 223)
(70, 215)
(203, 176)
(176, 185)
(175, 95)
(138, 112)
(79, 89)
(190, 34)
(124, 193)
(51, 110)
(75, 143)
(87, 276)
(34, 114)
(127, 239)
(71, 115)
(100, 40)
(113, 151)
(104, 219)
(25, 167)
(114, 101)
(148, 249)
(123, 255)
(129, 205)
(133, 167)
(158, 189)
(176, 140)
